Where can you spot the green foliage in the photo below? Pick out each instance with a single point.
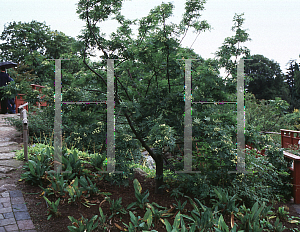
(162, 136)
(180, 206)
(283, 186)
(224, 202)
(266, 115)
(283, 215)
(278, 226)
(142, 198)
(97, 161)
(57, 185)
(72, 162)
(293, 84)
(115, 207)
(29, 44)
(74, 191)
(176, 193)
(10, 90)
(36, 168)
(231, 49)
(139, 224)
(87, 186)
(102, 219)
(203, 218)
(222, 227)
(53, 208)
(250, 218)
(178, 222)
(32, 151)
(156, 213)
(265, 78)
(83, 225)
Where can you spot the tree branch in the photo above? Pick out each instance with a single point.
(133, 85)
(186, 30)
(90, 30)
(92, 69)
(123, 88)
(150, 82)
(137, 135)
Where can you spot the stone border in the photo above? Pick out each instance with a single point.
(13, 213)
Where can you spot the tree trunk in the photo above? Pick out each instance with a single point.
(158, 158)
(159, 180)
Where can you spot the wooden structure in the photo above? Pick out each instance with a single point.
(290, 139)
(19, 99)
(250, 146)
(39, 88)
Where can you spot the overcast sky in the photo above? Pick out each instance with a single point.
(273, 25)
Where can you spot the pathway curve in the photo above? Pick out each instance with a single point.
(13, 211)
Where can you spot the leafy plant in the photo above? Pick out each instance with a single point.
(72, 161)
(33, 150)
(115, 206)
(142, 198)
(87, 186)
(57, 185)
(266, 224)
(68, 174)
(178, 222)
(222, 227)
(138, 223)
(203, 219)
(83, 225)
(97, 161)
(36, 169)
(156, 213)
(180, 207)
(176, 193)
(283, 215)
(53, 208)
(250, 220)
(102, 219)
(278, 226)
(74, 191)
(225, 202)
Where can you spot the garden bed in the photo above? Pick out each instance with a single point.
(84, 191)
(38, 209)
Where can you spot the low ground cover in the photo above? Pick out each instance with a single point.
(85, 199)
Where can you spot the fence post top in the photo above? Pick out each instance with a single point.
(22, 106)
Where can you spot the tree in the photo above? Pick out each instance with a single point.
(148, 91)
(30, 44)
(229, 53)
(292, 79)
(265, 78)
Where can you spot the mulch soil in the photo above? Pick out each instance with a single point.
(38, 209)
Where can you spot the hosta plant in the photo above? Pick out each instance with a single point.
(53, 208)
(83, 225)
(142, 198)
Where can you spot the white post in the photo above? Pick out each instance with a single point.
(25, 134)
(23, 117)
